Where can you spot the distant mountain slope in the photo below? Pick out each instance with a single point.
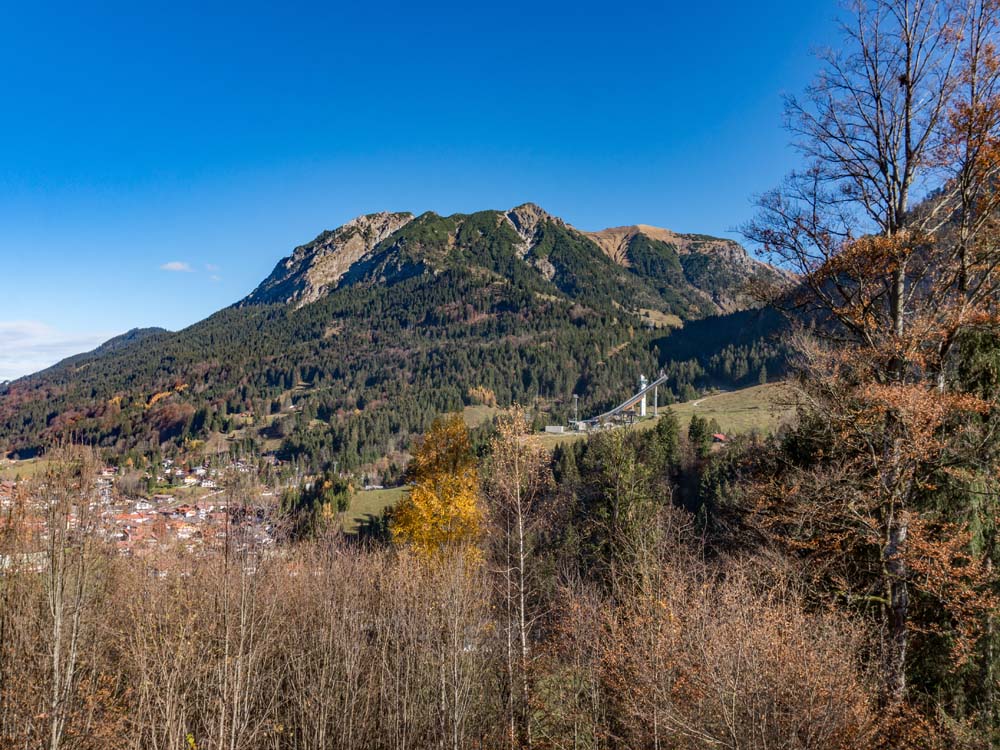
(717, 269)
(359, 338)
(133, 336)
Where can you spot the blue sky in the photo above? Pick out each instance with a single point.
(211, 139)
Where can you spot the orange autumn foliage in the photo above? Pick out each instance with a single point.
(442, 509)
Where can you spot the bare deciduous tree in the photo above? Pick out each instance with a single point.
(517, 476)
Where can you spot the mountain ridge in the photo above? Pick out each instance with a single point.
(317, 268)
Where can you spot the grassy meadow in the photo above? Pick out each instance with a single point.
(761, 407)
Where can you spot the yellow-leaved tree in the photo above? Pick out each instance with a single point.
(442, 510)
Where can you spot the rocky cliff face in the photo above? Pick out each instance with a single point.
(313, 270)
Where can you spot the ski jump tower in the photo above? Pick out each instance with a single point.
(636, 403)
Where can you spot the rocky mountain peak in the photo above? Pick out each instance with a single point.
(525, 220)
(312, 270)
(614, 241)
(377, 226)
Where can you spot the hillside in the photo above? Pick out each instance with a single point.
(359, 338)
(718, 269)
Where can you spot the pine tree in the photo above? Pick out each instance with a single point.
(700, 436)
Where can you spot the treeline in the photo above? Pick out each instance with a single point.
(370, 363)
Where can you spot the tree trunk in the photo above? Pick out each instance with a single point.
(524, 715)
(899, 601)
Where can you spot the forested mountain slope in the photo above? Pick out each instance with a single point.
(359, 338)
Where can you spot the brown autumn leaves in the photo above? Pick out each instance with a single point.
(892, 227)
(476, 643)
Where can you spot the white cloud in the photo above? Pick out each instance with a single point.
(212, 267)
(177, 266)
(27, 346)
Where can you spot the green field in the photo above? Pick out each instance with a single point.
(762, 407)
(368, 504)
(22, 469)
(473, 416)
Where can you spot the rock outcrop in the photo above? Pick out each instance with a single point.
(313, 270)
(526, 219)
